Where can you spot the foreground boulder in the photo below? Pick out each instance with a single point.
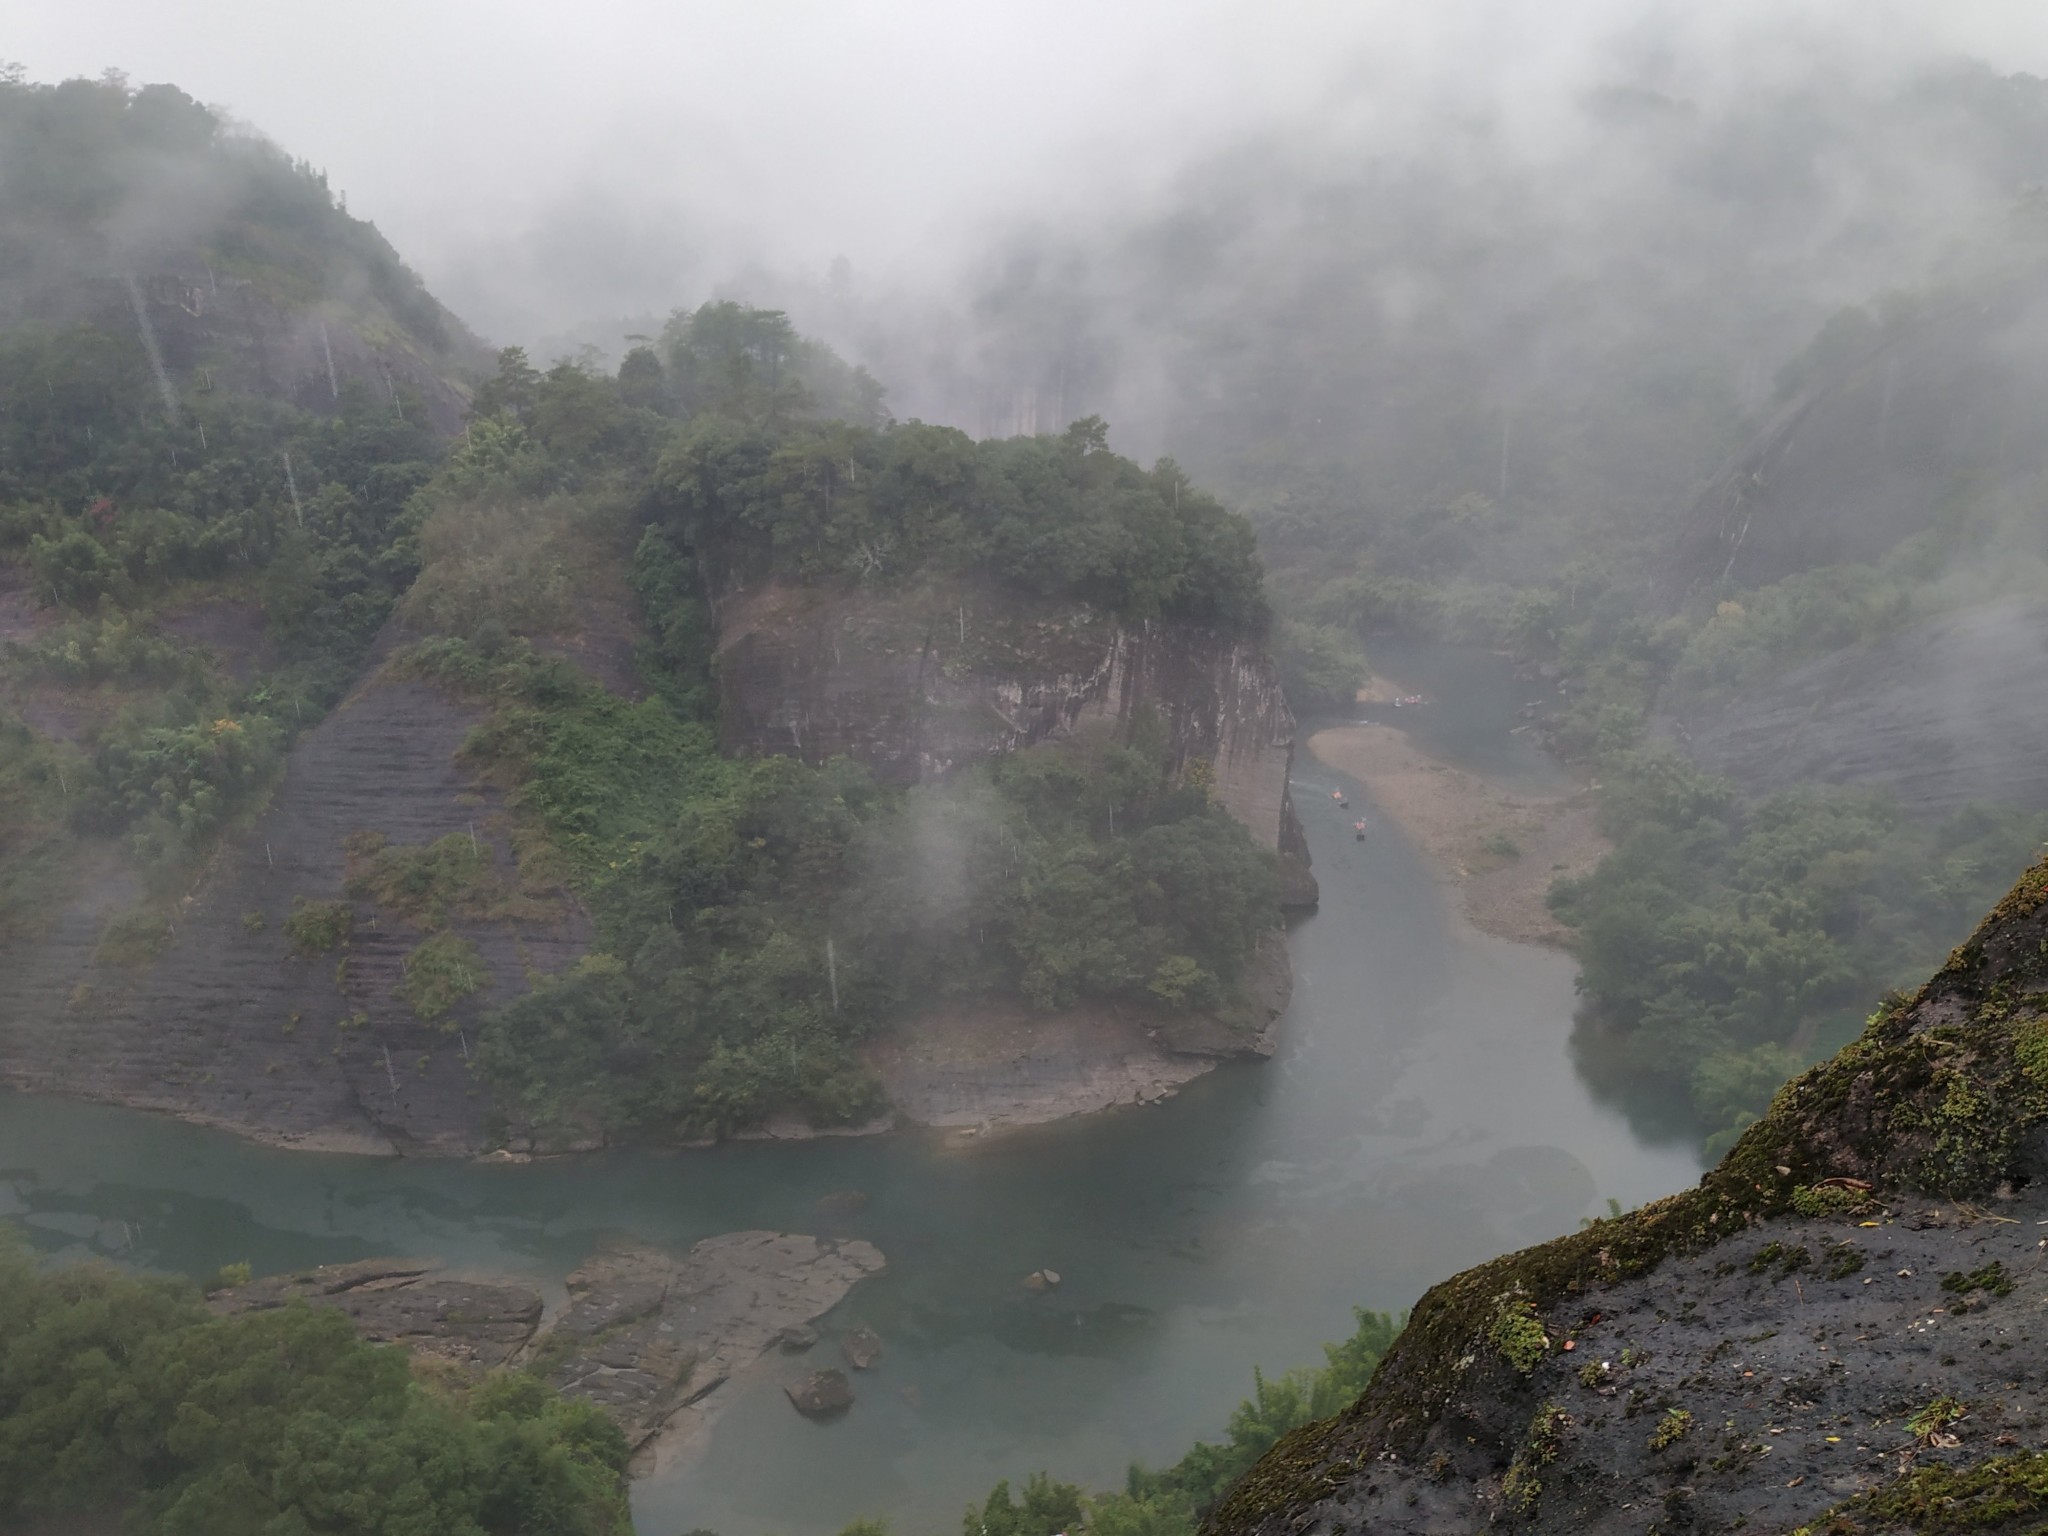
(1833, 1330)
(821, 1395)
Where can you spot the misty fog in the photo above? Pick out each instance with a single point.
(1053, 700)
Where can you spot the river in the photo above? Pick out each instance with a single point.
(1422, 1114)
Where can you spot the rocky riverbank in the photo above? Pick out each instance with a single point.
(1499, 849)
(646, 1336)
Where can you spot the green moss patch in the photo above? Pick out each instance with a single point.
(2006, 1493)
(1518, 1334)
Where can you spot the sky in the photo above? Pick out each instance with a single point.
(542, 161)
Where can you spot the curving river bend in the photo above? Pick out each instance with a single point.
(1422, 1114)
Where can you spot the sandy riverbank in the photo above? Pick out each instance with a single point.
(992, 1066)
(1468, 825)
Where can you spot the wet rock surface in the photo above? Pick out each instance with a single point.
(862, 1347)
(1795, 1359)
(403, 1302)
(917, 685)
(227, 1026)
(643, 1334)
(1871, 450)
(821, 1394)
(1843, 1324)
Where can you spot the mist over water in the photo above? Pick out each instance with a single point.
(1422, 1114)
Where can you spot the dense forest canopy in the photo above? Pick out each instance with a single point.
(1455, 391)
(122, 1396)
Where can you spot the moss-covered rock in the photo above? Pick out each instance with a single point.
(1944, 1095)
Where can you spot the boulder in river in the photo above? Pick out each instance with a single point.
(1042, 1280)
(821, 1394)
(861, 1346)
(795, 1340)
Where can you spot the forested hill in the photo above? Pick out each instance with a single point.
(149, 248)
(528, 856)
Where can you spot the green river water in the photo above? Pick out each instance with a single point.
(1422, 1114)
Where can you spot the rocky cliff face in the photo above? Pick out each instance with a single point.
(1940, 713)
(1832, 1332)
(1879, 443)
(919, 684)
(228, 1025)
(230, 333)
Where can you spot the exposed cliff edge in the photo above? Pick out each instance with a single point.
(1833, 1331)
(918, 684)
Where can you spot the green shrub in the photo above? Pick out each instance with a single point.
(440, 972)
(315, 927)
(133, 938)
(190, 1423)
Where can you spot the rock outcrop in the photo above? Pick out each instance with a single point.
(1876, 444)
(821, 1395)
(228, 1025)
(644, 1334)
(918, 684)
(1832, 1331)
(402, 1301)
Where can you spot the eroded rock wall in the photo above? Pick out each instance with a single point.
(1940, 713)
(918, 684)
(227, 1026)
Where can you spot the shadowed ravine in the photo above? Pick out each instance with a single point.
(1422, 1114)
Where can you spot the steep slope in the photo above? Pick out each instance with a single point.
(1912, 419)
(1939, 713)
(511, 891)
(1833, 1331)
(138, 219)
